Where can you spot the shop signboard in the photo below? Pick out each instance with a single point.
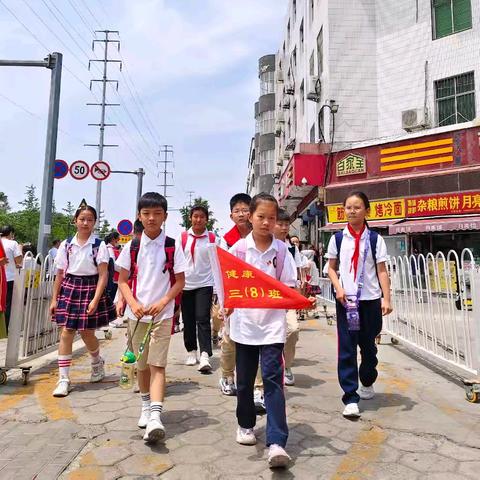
(352, 164)
(444, 204)
(379, 210)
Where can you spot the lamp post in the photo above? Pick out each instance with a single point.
(333, 107)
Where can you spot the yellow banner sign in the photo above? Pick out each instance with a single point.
(381, 210)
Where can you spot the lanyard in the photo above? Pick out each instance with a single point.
(360, 278)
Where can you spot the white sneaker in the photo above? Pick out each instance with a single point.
(289, 377)
(351, 410)
(118, 323)
(144, 417)
(191, 358)
(63, 387)
(278, 457)
(366, 393)
(204, 363)
(98, 371)
(246, 436)
(155, 431)
(259, 400)
(227, 386)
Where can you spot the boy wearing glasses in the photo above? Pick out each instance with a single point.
(240, 213)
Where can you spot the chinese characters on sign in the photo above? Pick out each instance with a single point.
(385, 209)
(448, 204)
(352, 164)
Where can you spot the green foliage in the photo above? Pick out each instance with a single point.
(25, 221)
(185, 213)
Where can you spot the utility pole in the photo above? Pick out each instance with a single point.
(54, 63)
(165, 150)
(140, 173)
(104, 80)
(190, 194)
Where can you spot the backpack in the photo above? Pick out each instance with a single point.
(169, 262)
(211, 237)
(95, 247)
(279, 260)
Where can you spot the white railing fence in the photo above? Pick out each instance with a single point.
(31, 331)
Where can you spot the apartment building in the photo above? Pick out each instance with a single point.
(382, 96)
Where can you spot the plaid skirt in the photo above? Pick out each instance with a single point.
(76, 292)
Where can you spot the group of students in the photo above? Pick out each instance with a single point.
(258, 346)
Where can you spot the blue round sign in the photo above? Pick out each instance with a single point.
(61, 169)
(125, 227)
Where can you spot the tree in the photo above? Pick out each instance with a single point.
(31, 202)
(105, 229)
(26, 221)
(185, 212)
(4, 205)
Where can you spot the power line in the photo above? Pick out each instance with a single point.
(82, 18)
(91, 14)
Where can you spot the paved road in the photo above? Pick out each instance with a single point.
(418, 427)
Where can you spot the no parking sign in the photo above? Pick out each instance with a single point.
(125, 227)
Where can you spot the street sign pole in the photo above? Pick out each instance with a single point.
(45, 226)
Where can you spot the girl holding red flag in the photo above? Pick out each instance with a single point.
(261, 332)
(362, 297)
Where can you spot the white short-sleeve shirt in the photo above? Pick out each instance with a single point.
(199, 270)
(262, 326)
(371, 288)
(80, 258)
(152, 283)
(12, 250)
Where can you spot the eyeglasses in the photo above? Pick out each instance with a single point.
(242, 210)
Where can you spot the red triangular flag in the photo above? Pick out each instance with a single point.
(245, 286)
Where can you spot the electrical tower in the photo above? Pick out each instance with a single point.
(104, 80)
(166, 150)
(190, 194)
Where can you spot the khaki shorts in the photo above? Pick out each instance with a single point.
(156, 350)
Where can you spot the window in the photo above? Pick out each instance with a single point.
(294, 57)
(302, 37)
(288, 33)
(294, 10)
(451, 16)
(294, 120)
(455, 99)
(266, 122)
(267, 83)
(312, 134)
(320, 52)
(312, 64)
(266, 162)
(312, 10)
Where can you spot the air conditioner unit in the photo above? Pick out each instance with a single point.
(314, 91)
(286, 103)
(290, 88)
(279, 76)
(278, 128)
(414, 119)
(280, 117)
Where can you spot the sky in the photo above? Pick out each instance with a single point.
(189, 79)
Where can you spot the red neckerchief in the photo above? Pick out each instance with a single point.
(356, 252)
(232, 236)
(194, 242)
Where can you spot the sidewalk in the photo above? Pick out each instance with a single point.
(418, 427)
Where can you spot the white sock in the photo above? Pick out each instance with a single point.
(64, 362)
(145, 400)
(156, 409)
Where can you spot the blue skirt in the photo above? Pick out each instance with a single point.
(76, 292)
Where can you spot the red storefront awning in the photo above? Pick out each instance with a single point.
(436, 225)
(329, 227)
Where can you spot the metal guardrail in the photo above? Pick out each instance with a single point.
(31, 331)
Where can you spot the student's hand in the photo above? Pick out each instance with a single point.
(120, 307)
(92, 307)
(3, 261)
(138, 310)
(341, 296)
(227, 312)
(157, 308)
(53, 308)
(386, 307)
(313, 302)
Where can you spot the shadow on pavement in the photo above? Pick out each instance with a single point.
(306, 381)
(384, 400)
(305, 362)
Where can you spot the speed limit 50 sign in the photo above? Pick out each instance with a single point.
(79, 170)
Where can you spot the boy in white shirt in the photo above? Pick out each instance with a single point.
(13, 253)
(198, 291)
(156, 269)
